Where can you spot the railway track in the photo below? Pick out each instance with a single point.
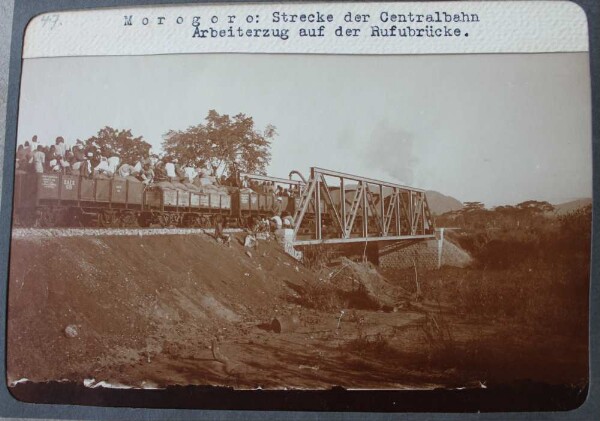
(27, 233)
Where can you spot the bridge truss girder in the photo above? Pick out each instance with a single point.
(384, 211)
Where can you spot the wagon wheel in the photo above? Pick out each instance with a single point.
(174, 219)
(108, 218)
(144, 220)
(73, 217)
(195, 220)
(129, 219)
(47, 218)
(164, 219)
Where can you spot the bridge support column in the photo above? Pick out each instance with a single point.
(372, 253)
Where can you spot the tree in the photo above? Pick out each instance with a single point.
(534, 206)
(473, 206)
(121, 142)
(221, 142)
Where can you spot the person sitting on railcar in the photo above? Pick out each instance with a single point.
(153, 159)
(160, 174)
(126, 170)
(102, 170)
(34, 143)
(246, 182)
(21, 158)
(294, 191)
(257, 186)
(179, 170)
(231, 180)
(78, 166)
(113, 162)
(50, 155)
(39, 159)
(138, 167)
(59, 146)
(52, 162)
(88, 167)
(277, 206)
(170, 169)
(147, 175)
(190, 172)
(260, 187)
(28, 153)
(65, 162)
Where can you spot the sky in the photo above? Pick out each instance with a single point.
(495, 128)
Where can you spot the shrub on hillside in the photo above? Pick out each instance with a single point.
(536, 274)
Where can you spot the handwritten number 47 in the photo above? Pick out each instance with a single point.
(50, 21)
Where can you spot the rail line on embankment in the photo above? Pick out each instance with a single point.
(31, 233)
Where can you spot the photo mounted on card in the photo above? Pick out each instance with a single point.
(303, 197)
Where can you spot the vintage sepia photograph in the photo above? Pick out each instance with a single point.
(301, 222)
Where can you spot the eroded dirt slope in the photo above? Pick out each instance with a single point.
(133, 296)
(153, 311)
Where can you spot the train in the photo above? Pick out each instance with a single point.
(49, 200)
(56, 200)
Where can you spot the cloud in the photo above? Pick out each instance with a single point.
(391, 151)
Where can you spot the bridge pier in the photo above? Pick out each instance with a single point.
(372, 253)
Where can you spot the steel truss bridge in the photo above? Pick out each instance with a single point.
(340, 208)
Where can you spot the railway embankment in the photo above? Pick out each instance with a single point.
(80, 302)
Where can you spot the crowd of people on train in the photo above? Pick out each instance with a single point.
(88, 161)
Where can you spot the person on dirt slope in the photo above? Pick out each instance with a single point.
(220, 235)
(276, 222)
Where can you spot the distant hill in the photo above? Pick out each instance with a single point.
(439, 203)
(564, 208)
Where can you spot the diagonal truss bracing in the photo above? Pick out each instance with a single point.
(359, 209)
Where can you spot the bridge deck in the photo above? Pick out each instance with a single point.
(311, 242)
